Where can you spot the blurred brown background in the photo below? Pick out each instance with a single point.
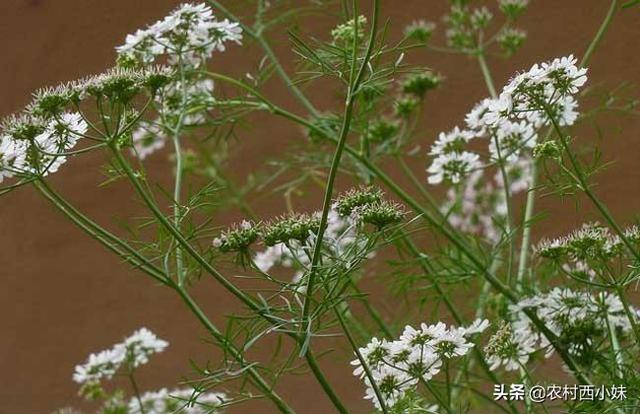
(64, 296)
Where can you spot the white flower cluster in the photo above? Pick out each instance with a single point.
(510, 123)
(134, 351)
(190, 34)
(542, 94)
(44, 152)
(398, 366)
(13, 157)
(176, 402)
(188, 37)
(529, 101)
(578, 319)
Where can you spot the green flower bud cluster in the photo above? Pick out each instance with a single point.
(238, 238)
(346, 33)
(358, 197)
(367, 206)
(420, 31)
(419, 84)
(511, 40)
(591, 242)
(294, 227)
(117, 85)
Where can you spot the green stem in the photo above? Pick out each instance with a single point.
(411, 202)
(328, 389)
(112, 242)
(486, 73)
(248, 301)
(615, 346)
(600, 33)
(526, 225)
(509, 222)
(375, 315)
(363, 361)
(164, 222)
(136, 391)
(604, 211)
(177, 186)
(355, 81)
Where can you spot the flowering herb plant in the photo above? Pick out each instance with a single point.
(305, 273)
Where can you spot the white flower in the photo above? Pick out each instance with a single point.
(417, 355)
(510, 348)
(451, 142)
(189, 35)
(475, 119)
(565, 75)
(452, 343)
(59, 136)
(147, 139)
(518, 174)
(134, 351)
(574, 317)
(374, 354)
(478, 326)
(512, 138)
(142, 344)
(391, 382)
(103, 364)
(453, 167)
(13, 157)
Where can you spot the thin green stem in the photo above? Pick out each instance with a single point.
(419, 186)
(326, 386)
(373, 313)
(112, 242)
(507, 195)
(130, 255)
(411, 202)
(600, 33)
(337, 156)
(136, 391)
(527, 225)
(363, 361)
(604, 212)
(486, 73)
(177, 185)
(151, 205)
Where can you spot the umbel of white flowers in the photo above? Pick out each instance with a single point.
(510, 121)
(418, 355)
(129, 354)
(509, 124)
(123, 358)
(188, 35)
(579, 319)
(185, 39)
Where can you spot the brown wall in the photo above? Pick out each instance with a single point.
(63, 295)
